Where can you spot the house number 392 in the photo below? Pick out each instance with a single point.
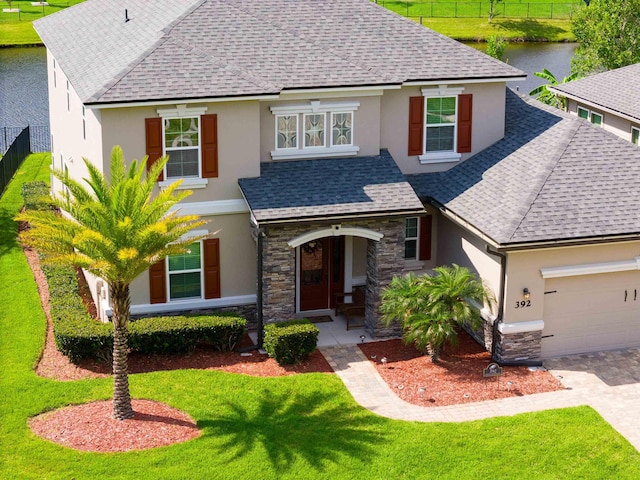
(523, 304)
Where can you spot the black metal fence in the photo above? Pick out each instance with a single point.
(480, 9)
(40, 138)
(13, 158)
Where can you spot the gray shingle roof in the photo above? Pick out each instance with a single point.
(553, 177)
(306, 189)
(174, 49)
(616, 90)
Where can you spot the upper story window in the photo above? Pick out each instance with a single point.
(440, 124)
(190, 139)
(593, 117)
(315, 129)
(635, 135)
(182, 144)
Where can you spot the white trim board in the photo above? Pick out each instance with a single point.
(521, 327)
(212, 207)
(335, 231)
(591, 268)
(186, 305)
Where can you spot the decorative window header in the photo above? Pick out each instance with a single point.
(182, 111)
(315, 106)
(442, 91)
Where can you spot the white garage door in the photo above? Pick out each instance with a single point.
(590, 313)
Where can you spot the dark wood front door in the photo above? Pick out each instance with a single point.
(321, 272)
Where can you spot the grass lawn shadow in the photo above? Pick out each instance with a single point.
(8, 231)
(530, 29)
(313, 427)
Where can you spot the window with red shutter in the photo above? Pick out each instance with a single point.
(465, 114)
(158, 283)
(211, 264)
(153, 131)
(209, 146)
(416, 125)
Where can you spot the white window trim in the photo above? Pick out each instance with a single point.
(55, 76)
(68, 98)
(84, 124)
(304, 131)
(331, 129)
(314, 107)
(445, 156)
(284, 149)
(637, 129)
(184, 111)
(590, 114)
(193, 270)
(416, 238)
(198, 148)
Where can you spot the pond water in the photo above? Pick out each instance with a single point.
(24, 99)
(23, 77)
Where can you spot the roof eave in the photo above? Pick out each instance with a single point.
(578, 98)
(345, 216)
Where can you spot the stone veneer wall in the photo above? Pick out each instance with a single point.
(516, 347)
(483, 335)
(384, 260)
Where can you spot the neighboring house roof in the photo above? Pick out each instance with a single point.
(188, 49)
(341, 187)
(616, 90)
(553, 177)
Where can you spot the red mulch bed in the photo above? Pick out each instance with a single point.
(91, 428)
(457, 378)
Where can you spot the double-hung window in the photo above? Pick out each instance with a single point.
(593, 117)
(315, 129)
(635, 135)
(185, 273)
(440, 124)
(190, 139)
(417, 238)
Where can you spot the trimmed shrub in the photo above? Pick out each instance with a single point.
(36, 196)
(77, 335)
(181, 334)
(290, 342)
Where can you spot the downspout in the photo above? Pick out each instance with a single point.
(503, 278)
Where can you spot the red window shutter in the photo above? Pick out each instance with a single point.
(153, 129)
(416, 125)
(464, 122)
(158, 283)
(211, 268)
(209, 146)
(425, 237)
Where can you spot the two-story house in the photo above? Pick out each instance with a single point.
(333, 145)
(609, 99)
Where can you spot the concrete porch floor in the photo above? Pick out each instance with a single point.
(334, 333)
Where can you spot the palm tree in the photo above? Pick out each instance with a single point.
(432, 308)
(545, 95)
(115, 230)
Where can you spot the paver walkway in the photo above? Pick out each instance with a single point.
(609, 382)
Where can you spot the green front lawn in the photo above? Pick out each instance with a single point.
(298, 427)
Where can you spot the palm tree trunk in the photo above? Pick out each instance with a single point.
(433, 350)
(121, 397)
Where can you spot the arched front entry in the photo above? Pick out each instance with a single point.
(323, 259)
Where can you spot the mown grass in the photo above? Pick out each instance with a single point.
(298, 427)
(17, 29)
(480, 9)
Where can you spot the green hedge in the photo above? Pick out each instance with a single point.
(290, 342)
(79, 336)
(181, 334)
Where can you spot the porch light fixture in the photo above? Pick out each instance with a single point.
(362, 337)
(526, 294)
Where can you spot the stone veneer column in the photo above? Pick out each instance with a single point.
(278, 276)
(515, 347)
(385, 259)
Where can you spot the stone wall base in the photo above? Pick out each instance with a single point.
(517, 347)
(482, 335)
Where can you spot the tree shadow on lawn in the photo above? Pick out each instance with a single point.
(314, 426)
(530, 28)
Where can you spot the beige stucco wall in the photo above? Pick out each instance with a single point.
(237, 259)
(456, 245)
(487, 123)
(359, 258)
(612, 123)
(366, 123)
(523, 270)
(238, 142)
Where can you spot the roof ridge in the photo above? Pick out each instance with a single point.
(112, 82)
(575, 126)
(300, 36)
